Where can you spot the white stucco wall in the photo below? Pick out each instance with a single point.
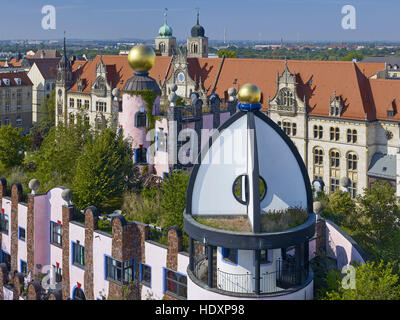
(102, 245)
(22, 220)
(156, 257)
(76, 274)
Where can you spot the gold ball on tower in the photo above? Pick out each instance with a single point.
(141, 58)
(249, 93)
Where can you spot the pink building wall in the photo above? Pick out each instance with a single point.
(341, 246)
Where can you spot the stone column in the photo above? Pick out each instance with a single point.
(174, 247)
(3, 279)
(30, 235)
(18, 283)
(67, 216)
(34, 291)
(16, 197)
(3, 190)
(91, 224)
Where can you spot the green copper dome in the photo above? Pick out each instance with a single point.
(165, 30)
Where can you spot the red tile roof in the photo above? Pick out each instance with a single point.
(317, 80)
(25, 81)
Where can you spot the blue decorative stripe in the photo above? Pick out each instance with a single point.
(249, 106)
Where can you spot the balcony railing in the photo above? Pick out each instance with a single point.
(286, 277)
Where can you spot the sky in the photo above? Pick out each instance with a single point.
(295, 20)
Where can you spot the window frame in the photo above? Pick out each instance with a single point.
(4, 223)
(120, 272)
(145, 282)
(19, 234)
(52, 233)
(226, 252)
(176, 282)
(78, 256)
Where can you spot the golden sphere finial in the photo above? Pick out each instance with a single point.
(249, 93)
(141, 58)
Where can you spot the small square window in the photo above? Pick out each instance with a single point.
(21, 234)
(24, 267)
(145, 274)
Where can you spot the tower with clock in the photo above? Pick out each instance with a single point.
(186, 83)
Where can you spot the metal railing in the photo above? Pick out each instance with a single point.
(286, 276)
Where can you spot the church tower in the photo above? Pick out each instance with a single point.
(197, 44)
(165, 42)
(63, 83)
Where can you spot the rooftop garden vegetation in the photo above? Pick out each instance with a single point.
(274, 221)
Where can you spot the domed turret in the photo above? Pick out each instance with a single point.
(141, 58)
(197, 30)
(165, 31)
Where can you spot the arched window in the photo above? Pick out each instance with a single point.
(162, 47)
(334, 134)
(352, 163)
(141, 155)
(334, 169)
(195, 48)
(140, 119)
(318, 163)
(78, 294)
(351, 136)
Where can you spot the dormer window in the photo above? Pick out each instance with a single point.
(335, 106)
(286, 97)
(6, 82)
(18, 81)
(390, 113)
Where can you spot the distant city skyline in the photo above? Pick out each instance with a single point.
(257, 20)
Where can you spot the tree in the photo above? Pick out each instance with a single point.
(56, 159)
(341, 204)
(227, 53)
(46, 120)
(102, 171)
(174, 198)
(373, 281)
(353, 55)
(378, 213)
(13, 145)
